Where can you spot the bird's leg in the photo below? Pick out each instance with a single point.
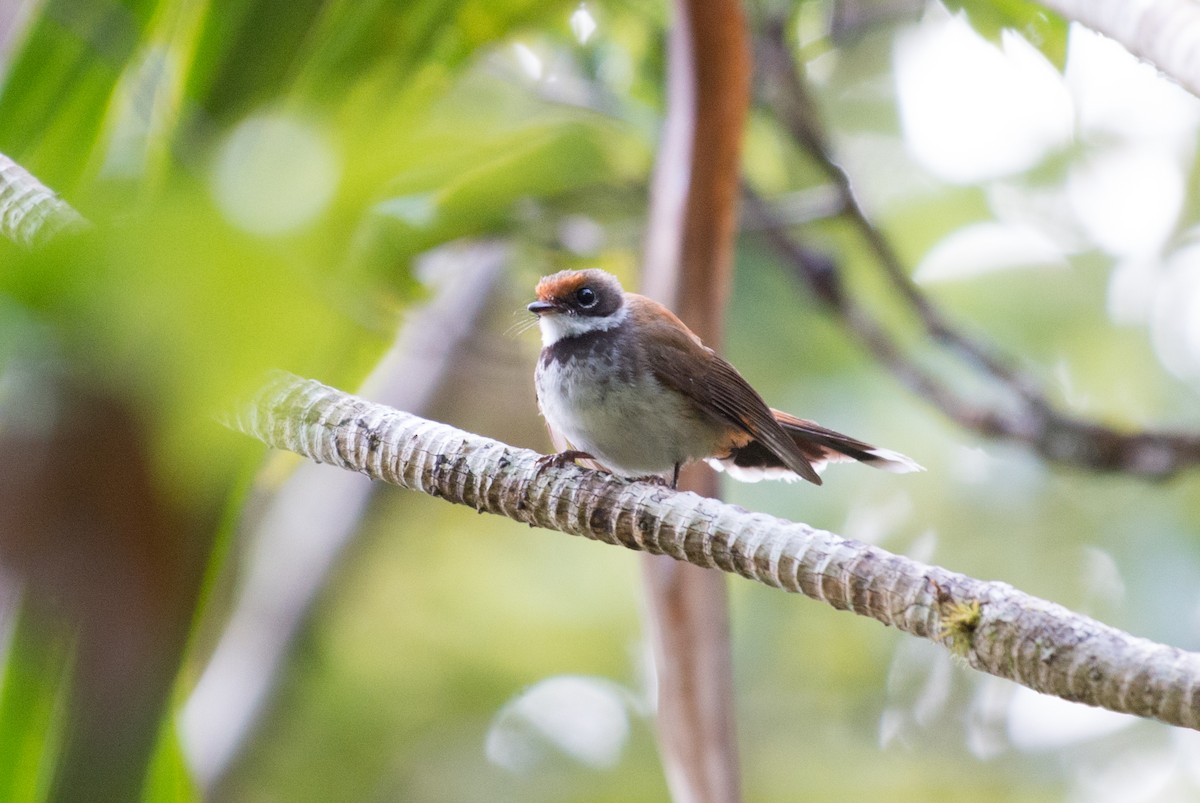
(659, 479)
(653, 479)
(561, 459)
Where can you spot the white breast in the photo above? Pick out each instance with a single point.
(631, 424)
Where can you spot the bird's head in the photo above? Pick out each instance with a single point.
(576, 302)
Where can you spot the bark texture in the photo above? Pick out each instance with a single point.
(989, 625)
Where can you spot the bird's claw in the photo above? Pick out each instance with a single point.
(561, 459)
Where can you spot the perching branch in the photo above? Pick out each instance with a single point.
(990, 625)
(1032, 418)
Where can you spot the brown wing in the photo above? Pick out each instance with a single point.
(824, 440)
(681, 362)
(739, 403)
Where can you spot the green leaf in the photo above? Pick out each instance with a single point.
(74, 53)
(32, 699)
(1044, 29)
(169, 779)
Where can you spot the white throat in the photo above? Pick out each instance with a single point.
(556, 326)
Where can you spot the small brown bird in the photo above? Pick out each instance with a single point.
(627, 384)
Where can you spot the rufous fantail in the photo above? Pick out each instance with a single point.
(627, 384)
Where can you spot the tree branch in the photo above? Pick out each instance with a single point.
(30, 212)
(1053, 434)
(789, 96)
(989, 625)
(1165, 33)
(1033, 419)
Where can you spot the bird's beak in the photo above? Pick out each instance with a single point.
(538, 307)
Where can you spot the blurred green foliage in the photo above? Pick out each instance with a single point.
(1044, 29)
(265, 176)
(31, 705)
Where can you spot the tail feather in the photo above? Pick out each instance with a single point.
(820, 446)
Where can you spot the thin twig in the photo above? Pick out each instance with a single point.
(990, 625)
(1034, 420)
(1053, 434)
(793, 103)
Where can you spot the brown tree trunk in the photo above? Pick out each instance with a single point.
(688, 266)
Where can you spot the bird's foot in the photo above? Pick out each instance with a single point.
(561, 459)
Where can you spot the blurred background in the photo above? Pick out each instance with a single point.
(366, 193)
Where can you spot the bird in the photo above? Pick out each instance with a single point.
(629, 386)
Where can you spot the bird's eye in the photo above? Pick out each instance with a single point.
(586, 297)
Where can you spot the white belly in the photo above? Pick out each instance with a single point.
(634, 428)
